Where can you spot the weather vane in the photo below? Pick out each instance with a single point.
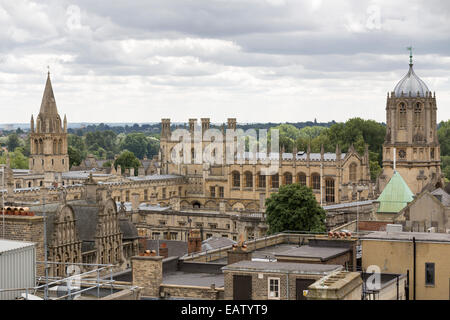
(410, 54)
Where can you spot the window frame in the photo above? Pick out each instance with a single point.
(269, 297)
(427, 264)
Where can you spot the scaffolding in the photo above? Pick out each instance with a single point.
(75, 285)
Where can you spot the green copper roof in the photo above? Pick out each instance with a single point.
(395, 195)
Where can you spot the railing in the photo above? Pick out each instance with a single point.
(75, 284)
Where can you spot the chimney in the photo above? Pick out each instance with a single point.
(147, 273)
(163, 250)
(239, 252)
(194, 241)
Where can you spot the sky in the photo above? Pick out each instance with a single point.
(254, 60)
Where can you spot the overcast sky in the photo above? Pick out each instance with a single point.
(256, 60)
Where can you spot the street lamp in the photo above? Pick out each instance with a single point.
(359, 189)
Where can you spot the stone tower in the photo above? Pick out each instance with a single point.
(411, 131)
(48, 139)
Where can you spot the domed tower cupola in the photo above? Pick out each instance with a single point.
(411, 85)
(411, 133)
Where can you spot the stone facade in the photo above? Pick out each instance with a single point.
(411, 132)
(243, 187)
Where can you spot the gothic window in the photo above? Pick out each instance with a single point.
(236, 179)
(60, 146)
(261, 180)
(329, 190)
(275, 181)
(402, 116)
(417, 115)
(54, 147)
(352, 172)
(248, 179)
(302, 178)
(315, 181)
(287, 178)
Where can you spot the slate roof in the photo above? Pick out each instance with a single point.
(442, 196)
(216, 243)
(395, 195)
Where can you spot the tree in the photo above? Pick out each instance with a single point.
(75, 156)
(136, 143)
(294, 207)
(127, 160)
(17, 159)
(13, 142)
(444, 137)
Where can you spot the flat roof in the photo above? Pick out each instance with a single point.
(283, 267)
(193, 279)
(11, 245)
(322, 253)
(407, 236)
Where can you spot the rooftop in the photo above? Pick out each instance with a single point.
(395, 196)
(408, 236)
(322, 253)
(283, 267)
(11, 245)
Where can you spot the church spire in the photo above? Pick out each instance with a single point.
(48, 104)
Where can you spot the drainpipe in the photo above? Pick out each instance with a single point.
(414, 268)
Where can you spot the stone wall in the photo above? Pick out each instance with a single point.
(193, 292)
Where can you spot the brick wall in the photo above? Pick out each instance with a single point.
(26, 228)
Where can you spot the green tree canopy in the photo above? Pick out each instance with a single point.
(444, 137)
(127, 160)
(13, 142)
(136, 143)
(17, 159)
(294, 207)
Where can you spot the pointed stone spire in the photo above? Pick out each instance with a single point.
(351, 149)
(338, 152)
(65, 123)
(48, 104)
(32, 124)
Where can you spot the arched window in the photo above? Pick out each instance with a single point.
(402, 116)
(55, 147)
(315, 181)
(329, 190)
(41, 147)
(248, 179)
(287, 178)
(417, 115)
(236, 179)
(352, 172)
(261, 180)
(36, 147)
(302, 178)
(275, 181)
(60, 146)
